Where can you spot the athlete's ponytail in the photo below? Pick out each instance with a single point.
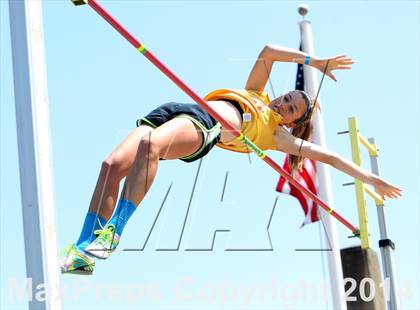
(303, 130)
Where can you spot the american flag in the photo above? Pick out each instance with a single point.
(305, 177)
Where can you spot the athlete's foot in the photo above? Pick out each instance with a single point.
(105, 243)
(75, 261)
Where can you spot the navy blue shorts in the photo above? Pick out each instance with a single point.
(208, 125)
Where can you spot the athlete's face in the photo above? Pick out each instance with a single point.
(291, 106)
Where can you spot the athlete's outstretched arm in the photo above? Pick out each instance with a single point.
(270, 53)
(292, 145)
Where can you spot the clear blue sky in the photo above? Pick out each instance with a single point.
(99, 85)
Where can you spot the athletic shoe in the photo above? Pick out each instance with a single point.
(75, 261)
(105, 243)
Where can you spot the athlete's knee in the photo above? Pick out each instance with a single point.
(148, 148)
(114, 166)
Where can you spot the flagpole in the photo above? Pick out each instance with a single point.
(323, 175)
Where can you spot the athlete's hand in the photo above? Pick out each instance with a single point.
(385, 189)
(340, 62)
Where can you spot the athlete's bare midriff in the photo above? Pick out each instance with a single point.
(230, 114)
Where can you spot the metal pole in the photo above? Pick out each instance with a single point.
(33, 135)
(323, 176)
(385, 244)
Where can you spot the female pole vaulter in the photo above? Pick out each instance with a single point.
(188, 132)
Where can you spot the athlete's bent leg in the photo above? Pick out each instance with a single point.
(102, 204)
(175, 139)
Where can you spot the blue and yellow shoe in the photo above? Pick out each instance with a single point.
(75, 261)
(106, 242)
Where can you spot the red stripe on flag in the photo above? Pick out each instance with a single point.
(306, 177)
(302, 199)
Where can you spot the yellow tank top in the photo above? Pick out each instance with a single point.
(259, 121)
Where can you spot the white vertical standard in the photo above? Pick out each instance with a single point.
(33, 135)
(324, 179)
